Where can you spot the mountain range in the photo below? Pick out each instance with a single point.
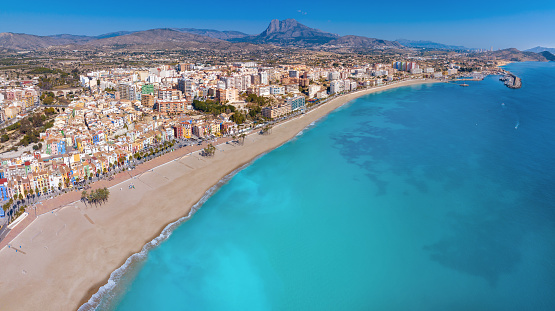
(163, 38)
(515, 55)
(429, 45)
(539, 49)
(285, 33)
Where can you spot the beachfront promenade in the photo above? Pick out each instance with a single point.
(53, 204)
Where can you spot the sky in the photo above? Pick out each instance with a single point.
(471, 23)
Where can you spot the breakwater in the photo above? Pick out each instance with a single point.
(511, 80)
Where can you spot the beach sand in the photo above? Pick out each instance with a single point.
(64, 256)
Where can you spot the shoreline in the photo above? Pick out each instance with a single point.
(80, 260)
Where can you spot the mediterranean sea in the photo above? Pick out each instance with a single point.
(430, 197)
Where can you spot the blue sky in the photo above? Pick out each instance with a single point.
(472, 23)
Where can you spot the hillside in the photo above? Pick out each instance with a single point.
(216, 34)
(548, 55)
(20, 41)
(162, 39)
(515, 55)
(539, 49)
(114, 34)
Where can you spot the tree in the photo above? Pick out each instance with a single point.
(267, 129)
(48, 100)
(4, 138)
(210, 150)
(238, 118)
(97, 196)
(84, 196)
(242, 137)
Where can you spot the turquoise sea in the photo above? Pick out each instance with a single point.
(431, 197)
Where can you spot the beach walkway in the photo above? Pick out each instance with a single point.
(51, 205)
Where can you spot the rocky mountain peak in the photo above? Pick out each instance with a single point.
(277, 26)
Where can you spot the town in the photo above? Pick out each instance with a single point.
(98, 122)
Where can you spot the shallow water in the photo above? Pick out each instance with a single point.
(431, 197)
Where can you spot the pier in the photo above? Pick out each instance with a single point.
(511, 80)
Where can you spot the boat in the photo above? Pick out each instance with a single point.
(464, 84)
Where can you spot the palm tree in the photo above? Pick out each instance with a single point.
(84, 196)
(267, 129)
(210, 150)
(242, 137)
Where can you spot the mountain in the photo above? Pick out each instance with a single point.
(63, 39)
(289, 32)
(548, 55)
(515, 55)
(539, 49)
(429, 45)
(21, 41)
(164, 38)
(362, 42)
(114, 34)
(216, 34)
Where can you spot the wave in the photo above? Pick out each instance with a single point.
(312, 124)
(106, 290)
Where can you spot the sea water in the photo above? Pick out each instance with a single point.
(429, 197)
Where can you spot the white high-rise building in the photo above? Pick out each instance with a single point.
(264, 78)
(313, 90)
(229, 82)
(336, 86)
(334, 75)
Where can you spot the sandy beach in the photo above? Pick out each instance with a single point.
(65, 255)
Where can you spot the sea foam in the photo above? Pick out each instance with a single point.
(107, 291)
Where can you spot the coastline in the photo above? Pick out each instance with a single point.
(76, 248)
